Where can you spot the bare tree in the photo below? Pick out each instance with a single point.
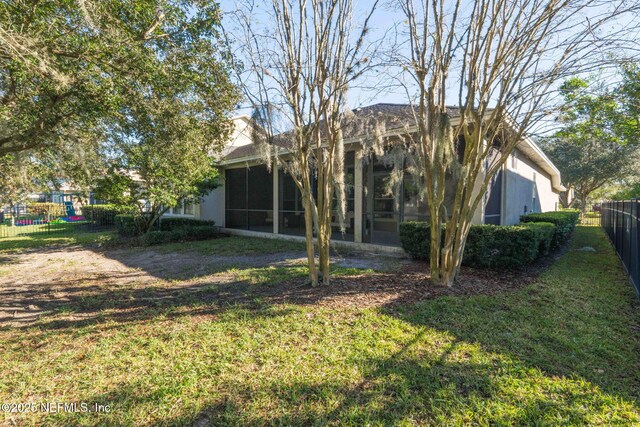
(298, 70)
(501, 59)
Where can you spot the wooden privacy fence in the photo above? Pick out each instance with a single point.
(621, 222)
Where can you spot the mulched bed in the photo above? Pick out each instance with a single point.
(407, 286)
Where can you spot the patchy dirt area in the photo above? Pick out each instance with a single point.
(37, 282)
(87, 284)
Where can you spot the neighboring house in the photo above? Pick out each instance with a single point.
(261, 201)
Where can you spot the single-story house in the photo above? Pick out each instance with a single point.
(258, 200)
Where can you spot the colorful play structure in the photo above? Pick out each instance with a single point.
(70, 211)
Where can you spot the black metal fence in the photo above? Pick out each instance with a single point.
(44, 218)
(621, 221)
(592, 215)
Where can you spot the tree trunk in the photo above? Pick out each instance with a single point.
(308, 229)
(583, 206)
(435, 251)
(324, 247)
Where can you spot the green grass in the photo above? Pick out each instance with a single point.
(562, 351)
(43, 239)
(12, 231)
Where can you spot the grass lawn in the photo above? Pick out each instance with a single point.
(43, 239)
(563, 351)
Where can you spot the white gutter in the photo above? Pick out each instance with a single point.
(535, 153)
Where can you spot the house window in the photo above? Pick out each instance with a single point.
(182, 208)
(178, 209)
(188, 208)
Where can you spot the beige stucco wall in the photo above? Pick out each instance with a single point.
(212, 206)
(523, 180)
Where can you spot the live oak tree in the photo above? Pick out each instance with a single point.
(167, 162)
(163, 153)
(499, 60)
(146, 81)
(69, 65)
(20, 176)
(299, 63)
(597, 141)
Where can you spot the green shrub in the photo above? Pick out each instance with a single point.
(200, 232)
(565, 222)
(170, 223)
(487, 246)
(507, 247)
(102, 214)
(184, 234)
(128, 225)
(546, 232)
(415, 238)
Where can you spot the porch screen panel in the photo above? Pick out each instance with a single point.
(260, 199)
(414, 208)
(349, 221)
(249, 196)
(291, 210)
(236, 198)
(493, 208)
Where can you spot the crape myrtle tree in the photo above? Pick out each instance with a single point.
(597, 140)
(499, 59)
(300, 58)
(72, 65)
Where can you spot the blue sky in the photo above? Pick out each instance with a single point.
(384, 18)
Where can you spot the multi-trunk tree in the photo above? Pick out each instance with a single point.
(300, 61)
(496, 62)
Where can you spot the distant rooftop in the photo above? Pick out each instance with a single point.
(394, 116)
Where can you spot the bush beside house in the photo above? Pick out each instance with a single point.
(183, 234)
(169, 230)
(492, 246)
(170, 224)
(565, 222)
(128, 225)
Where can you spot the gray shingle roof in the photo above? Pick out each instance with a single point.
(394, 116)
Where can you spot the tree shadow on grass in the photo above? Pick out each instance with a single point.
(564, 348)
(581, 320)
(398, 389)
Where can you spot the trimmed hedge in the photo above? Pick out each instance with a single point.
(128, 225)
(506, 247)
(170, 223)
(183, 234)
(415, 238)
(46, 208)
(565, 222)
(487, 246)
(101, 214)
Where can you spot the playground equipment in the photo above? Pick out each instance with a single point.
(24, 217)
(67, 199)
